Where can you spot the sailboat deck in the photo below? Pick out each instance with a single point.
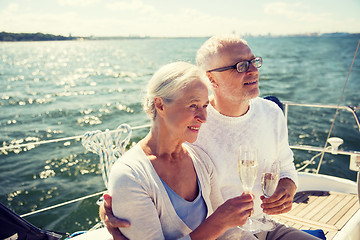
(328, 211)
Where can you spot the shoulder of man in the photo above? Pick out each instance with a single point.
(273, 105)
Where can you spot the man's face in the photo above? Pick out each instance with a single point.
(232, 85)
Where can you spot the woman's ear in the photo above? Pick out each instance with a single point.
(159, 105)
(213, 83)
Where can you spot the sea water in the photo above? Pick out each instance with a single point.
(51, 90)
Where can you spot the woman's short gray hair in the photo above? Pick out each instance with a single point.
(167, 81)
(208, 52)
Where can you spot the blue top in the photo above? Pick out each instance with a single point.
(191, 213)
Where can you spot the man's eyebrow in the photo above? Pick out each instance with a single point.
(244, 59)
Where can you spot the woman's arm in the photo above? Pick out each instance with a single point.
(131, 201)
(232, 213)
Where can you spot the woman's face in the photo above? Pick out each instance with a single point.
(185, 114)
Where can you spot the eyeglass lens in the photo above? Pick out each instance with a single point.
(244, 66)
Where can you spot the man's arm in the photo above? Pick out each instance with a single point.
(281, 200)
(111, 222)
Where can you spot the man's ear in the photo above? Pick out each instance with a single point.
(159, 105)
(211, 78)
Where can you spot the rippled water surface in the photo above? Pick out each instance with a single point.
(51, 90)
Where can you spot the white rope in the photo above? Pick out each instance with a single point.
(311, 161)
(109, 149)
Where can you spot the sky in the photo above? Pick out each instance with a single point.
(184, 18)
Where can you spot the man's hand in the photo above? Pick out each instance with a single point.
(281, 200)
(112, 223)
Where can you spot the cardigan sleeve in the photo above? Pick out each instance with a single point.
(135, 198)
(132, 202)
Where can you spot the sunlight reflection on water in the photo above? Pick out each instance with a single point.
(52, 90)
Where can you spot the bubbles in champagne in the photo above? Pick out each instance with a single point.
(248, 173)
(269, 183)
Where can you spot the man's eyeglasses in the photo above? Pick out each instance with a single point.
(242, 66)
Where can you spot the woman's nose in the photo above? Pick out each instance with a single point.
(201, 116)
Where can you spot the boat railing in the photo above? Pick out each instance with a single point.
(354, 155)
(286, 111)
(78, 137)
(351, 109)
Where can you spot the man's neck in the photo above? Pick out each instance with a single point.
(231, 109)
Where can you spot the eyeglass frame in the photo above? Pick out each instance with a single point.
(221, 69)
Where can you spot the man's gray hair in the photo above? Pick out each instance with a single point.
(208, 52)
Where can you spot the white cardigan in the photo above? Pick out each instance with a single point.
(140, 197)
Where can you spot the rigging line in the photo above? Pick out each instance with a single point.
(63, 204)
(40, 142)
(59, 139)
(337, 109)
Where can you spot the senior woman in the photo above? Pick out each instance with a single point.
(163, 186)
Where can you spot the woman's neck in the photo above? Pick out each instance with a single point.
(159, 145)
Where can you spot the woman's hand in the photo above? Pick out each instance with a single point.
(234, 212)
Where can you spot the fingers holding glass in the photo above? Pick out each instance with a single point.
(248, 168)
(269, 183)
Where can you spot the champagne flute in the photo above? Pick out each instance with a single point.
(248, 168)
(269, 182)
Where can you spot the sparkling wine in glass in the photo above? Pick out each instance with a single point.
(269, 182)
(248, 173)
(248, 168)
